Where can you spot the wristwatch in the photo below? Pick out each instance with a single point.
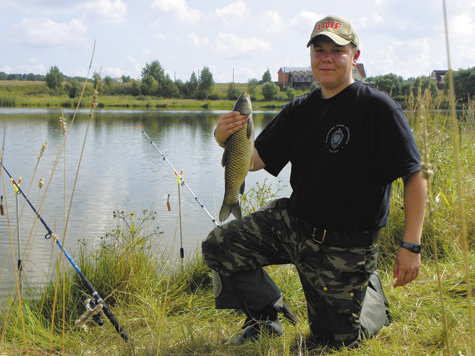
(416, 248)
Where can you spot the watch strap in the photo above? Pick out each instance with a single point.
(413, 247)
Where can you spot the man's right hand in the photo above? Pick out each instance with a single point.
(228, 124)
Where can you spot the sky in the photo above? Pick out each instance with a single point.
(237, 40)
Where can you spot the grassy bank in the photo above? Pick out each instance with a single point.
(37, 95)
(167, 308)
(167, 311)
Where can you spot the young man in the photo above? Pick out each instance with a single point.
(347, 143)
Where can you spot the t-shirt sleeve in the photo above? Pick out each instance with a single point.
(273, 144)
(396, 151)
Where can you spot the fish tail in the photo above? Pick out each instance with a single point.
(227, 209)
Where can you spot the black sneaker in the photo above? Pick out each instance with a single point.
(252, 332)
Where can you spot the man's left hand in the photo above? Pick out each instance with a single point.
(406, 267)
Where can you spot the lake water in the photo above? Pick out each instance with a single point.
(119, 170)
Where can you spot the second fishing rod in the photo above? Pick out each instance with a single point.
(181, 182)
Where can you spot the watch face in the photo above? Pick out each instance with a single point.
(416, 248)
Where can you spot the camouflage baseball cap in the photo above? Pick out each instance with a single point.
(337, 28)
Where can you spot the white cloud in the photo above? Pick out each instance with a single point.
(272, 22)
(377, 18)
(230, 45)
(113, 72)
(136, 65)
(198, 41)
(106, 11)
(33, 66)
(159, 37)
(304, 21)
(231, 15)
(40, 32)
(178, 9)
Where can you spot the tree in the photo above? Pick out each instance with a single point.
(96, 80)
(233, 92)
(313, 86)
(390, 83)
(135, 88)
(290, 92)
(206, 83)
(190, 87)
(270, 90)
(155, 70)
(54, 78)
(125, 79)
(73, 88)
(464, 83)
(108, 85)
(168, 89)
(251, 86)
(152, 84)
(266, 77)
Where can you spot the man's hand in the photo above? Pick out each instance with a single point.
(228, 124)
(406, 267)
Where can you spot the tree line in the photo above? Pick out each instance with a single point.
(154, 81)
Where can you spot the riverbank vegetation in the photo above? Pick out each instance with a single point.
(155, 89)
(165, 304)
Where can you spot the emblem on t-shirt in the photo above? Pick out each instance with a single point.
(337, 138)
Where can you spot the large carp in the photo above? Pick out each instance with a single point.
(237, 159)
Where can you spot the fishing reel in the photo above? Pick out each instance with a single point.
(96, 316)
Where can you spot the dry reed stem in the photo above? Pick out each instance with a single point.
(427, 173)
(456, 149)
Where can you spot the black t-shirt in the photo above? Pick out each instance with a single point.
(345, 152)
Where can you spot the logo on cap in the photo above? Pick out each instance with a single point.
(337, 28)
(327, 24)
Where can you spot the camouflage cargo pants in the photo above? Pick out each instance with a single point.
(334, 279)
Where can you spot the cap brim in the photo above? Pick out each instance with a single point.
(334, 37)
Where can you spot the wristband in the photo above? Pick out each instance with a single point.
(416, 248)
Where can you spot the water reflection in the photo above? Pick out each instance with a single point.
(119, 170)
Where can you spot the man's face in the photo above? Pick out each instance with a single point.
(332, 64)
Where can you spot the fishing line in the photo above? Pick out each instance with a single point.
(181, 179)
(88, 285)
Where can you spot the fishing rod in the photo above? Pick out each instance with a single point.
(99, 303)
(19, 267)
(181, 179)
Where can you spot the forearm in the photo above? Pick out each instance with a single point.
(258, 163)
(415, 191)
(407, 265)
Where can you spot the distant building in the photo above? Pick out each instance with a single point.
(359, 72)
(438, 76)
(294, 77)
(301, 78)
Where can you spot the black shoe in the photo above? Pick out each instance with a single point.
(252, 333)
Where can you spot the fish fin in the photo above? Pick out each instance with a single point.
(251, 164)
(250, 126)
(236, 210)
(227, 209)
(224, 212)
(241, 190)
(224, 158)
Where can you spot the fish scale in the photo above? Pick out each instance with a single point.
(237, 159)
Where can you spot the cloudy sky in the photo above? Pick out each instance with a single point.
(239, 38)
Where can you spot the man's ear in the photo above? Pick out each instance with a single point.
(356, 56)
